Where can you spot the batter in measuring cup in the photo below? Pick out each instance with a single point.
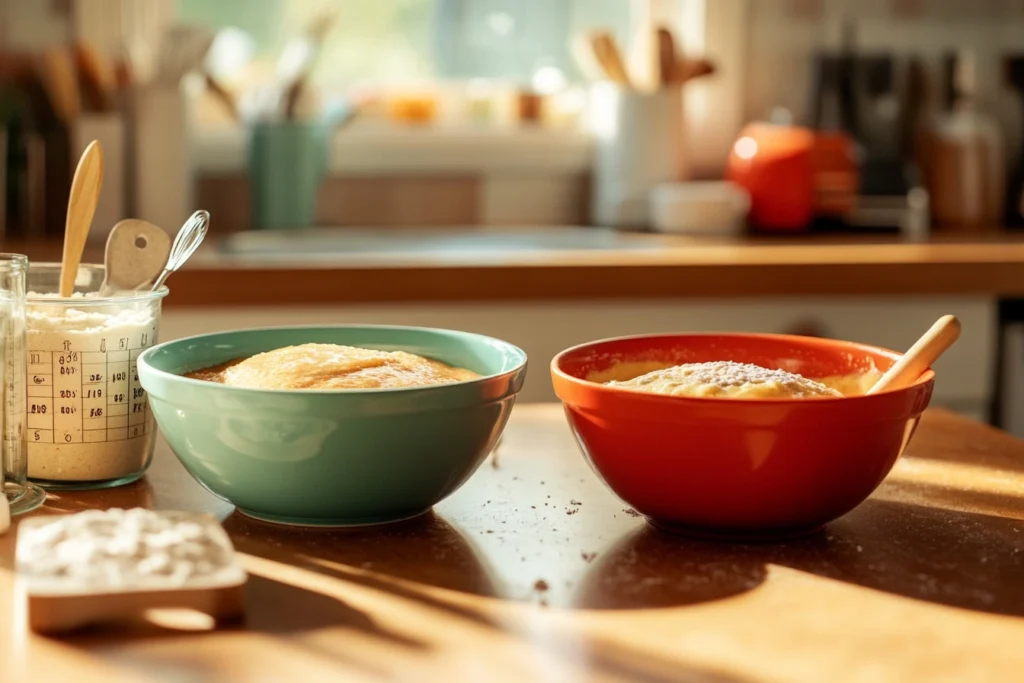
(88, 423)
(330, 366)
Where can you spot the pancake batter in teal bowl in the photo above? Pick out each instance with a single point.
(333, 457)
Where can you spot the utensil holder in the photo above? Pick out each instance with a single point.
(287, 162)
(161, 173)
(640, 144)
(109, 131)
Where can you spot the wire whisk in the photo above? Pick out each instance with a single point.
(185, 244)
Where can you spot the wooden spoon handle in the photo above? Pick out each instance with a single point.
(608, 56)
(921, 355)
(85, 193)
(665, 56)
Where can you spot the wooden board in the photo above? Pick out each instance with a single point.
(534, 571)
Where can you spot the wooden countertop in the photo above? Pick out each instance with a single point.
(533, 571)
(680, 267)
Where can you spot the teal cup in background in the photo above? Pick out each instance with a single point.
(287, 162)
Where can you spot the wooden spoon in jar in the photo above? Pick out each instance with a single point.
(921, 355)
(85, 193)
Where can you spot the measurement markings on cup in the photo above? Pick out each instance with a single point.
(79, 395)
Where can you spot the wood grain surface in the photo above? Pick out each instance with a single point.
(533, 571)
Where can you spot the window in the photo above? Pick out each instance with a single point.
(387, 44)
(406, 40)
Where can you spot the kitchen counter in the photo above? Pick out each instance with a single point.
(641, 267)
(534, 571)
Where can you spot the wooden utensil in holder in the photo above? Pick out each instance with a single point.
(85, 191)
(638, 122)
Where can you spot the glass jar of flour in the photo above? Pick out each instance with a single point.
(88, 423)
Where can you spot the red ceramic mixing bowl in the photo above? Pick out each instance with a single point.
(738, 467)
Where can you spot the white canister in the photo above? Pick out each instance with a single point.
(161, 172)
(640, 144)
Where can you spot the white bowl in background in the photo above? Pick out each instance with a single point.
(703, 208)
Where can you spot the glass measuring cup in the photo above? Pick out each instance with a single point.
(22, 495)
(88, 423)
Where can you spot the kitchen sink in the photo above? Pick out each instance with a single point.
(335, 243)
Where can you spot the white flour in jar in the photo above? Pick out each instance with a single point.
(124, 549)
(87, 417)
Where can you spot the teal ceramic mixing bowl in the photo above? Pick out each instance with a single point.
(333, 457)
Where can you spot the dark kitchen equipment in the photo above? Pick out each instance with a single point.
(1014, 77)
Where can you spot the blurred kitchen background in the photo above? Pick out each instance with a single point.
(352, 135)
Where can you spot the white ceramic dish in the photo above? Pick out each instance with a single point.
(699, 208)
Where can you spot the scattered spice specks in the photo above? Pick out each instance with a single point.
(575, 502)
(490, 531)
(631, 512)
(571, 511)
(533, 507)
(588, 557)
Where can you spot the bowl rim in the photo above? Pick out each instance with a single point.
(603, 389)
(143, 360)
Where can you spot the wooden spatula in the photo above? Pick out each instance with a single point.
(85, 193)
(665, 56)
(136, 254)
(606, 50)
(921, 355)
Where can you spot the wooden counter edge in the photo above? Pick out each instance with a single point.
(699, 271)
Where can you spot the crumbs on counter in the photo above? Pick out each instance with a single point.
(571, 511)
(588, 557)
(541, 586)
(575, 502)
